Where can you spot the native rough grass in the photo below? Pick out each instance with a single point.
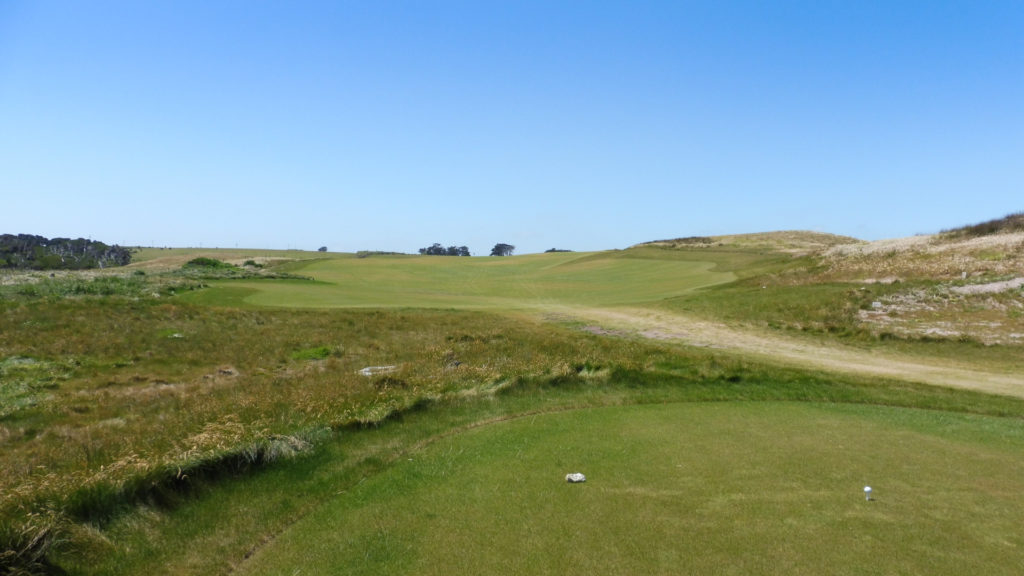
(116, 401)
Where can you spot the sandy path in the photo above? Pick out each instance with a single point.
(673, 327)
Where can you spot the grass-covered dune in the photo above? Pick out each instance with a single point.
(213, 420)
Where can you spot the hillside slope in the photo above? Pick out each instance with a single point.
(936, 257)
(789, 241)
(965, 283)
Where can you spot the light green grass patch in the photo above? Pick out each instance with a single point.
(728, 488)
(604, 278)
(314, 353)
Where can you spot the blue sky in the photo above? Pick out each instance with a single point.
(580, 125)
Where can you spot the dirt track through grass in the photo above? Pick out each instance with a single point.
(674, 327)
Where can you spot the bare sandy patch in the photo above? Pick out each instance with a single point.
(989, 288)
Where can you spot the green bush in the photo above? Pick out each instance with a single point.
(318, 353)
(204, 262)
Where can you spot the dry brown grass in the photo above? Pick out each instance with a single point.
(936, 257)
(797, 242)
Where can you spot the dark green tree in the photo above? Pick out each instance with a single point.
(37, 252)
(502, 250)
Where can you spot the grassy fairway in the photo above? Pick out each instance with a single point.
(604, 278)
(727, 488)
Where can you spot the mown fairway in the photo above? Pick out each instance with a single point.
(728, 488)
(604, 278)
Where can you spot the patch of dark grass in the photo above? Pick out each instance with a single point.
(25, 545)
(167, 486)
(393, 413)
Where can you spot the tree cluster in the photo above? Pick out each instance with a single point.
(502, 249)
(438, 250)
(26, 251)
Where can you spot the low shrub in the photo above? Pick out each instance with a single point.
(203, 262)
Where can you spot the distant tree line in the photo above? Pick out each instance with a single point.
(26, 251)
(548, 251)
(438, 250)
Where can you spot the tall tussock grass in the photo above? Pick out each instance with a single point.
(26, 541)
(40, 523)
(147, 400)
(164, 485)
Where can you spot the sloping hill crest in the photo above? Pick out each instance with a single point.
(790, 241)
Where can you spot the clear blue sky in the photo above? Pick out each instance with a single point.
(583, 125)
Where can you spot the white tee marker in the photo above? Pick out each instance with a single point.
(867, 492)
